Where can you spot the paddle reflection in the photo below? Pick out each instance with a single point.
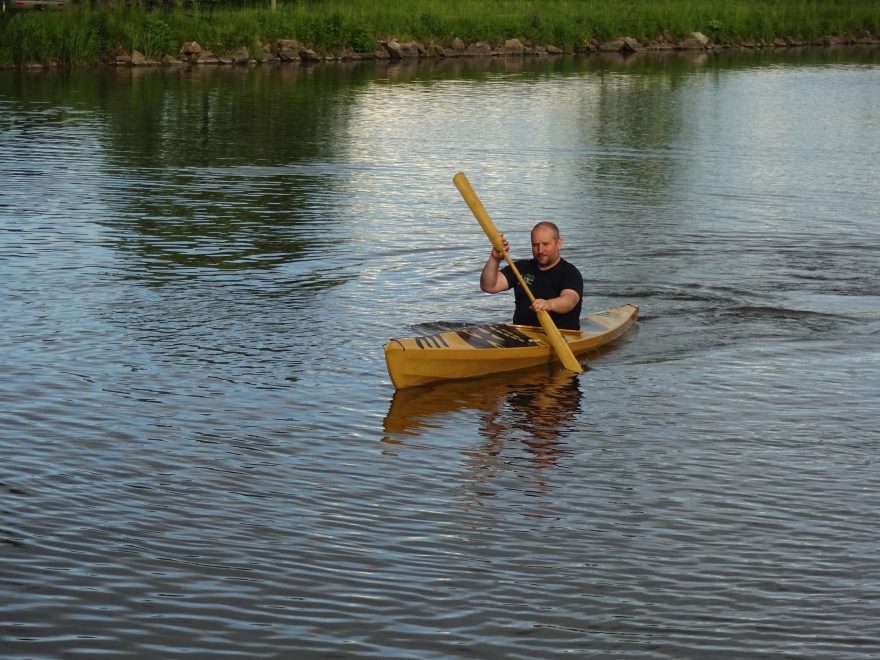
(534, 407)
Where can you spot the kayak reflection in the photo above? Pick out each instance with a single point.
(535, 406)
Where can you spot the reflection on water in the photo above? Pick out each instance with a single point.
(226, 191)
(525, 419)
(537, 404)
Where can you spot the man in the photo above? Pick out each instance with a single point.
(557, 285)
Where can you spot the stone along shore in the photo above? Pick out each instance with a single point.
(293, 51)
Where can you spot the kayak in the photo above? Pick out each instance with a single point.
(480, 350)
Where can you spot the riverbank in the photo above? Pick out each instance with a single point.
(371, 29)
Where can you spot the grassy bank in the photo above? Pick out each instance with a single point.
(81, 35)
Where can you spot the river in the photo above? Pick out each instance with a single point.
(202, 452)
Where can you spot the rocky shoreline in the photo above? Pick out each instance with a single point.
(293, 51)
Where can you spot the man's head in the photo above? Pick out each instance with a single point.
(546, 244)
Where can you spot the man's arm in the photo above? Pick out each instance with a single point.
(491, 279)
(566, 301)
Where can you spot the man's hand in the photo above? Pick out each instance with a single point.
(496, 255)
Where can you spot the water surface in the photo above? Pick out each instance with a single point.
(202, 453)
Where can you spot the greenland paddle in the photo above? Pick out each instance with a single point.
(563, 350)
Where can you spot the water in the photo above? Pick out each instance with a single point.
(202, 454)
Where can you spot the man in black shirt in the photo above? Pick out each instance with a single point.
(557, 285)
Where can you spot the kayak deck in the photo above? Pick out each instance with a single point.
(480, 350)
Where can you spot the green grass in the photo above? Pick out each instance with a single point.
(80, 35)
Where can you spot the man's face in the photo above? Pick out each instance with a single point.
(545, 247)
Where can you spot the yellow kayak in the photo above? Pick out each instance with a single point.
(487, 349)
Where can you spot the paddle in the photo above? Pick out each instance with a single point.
(553, 335)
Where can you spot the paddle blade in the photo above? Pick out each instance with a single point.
(476, 206)
(563, 350)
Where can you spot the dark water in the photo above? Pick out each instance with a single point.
(201, 454)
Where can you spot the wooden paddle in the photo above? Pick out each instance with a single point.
(553, 335)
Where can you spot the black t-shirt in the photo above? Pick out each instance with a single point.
(545, 284)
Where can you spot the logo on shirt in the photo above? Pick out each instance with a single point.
(529, 279)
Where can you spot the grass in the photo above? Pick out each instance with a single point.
(88, 35)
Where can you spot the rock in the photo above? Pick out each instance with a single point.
(690, 43)
(458, 44)
(613, 46)
(479, 48)
(393, 48)
(407, 50)
(267, 54)
(138, 58)
(513, 47)
(440, 51)
(240, 55)
(288, 50)
(190, 48)
(205, 57)
(662, 44)
(170, 60)
(351, 55)
(309, 55)
(631, 45)
(554, 50)
(700, 38)
(122, 59)
(414, 49)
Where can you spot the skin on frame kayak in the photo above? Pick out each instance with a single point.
(487, 349)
